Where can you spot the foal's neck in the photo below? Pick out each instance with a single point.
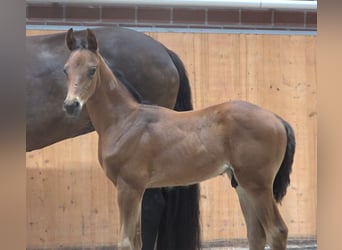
(111, 103)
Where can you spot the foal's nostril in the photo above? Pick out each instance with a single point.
(71, 108)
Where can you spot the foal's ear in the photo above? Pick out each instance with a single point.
(70, 39)
(92, 42)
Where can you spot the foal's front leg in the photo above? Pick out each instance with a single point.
(129, 201)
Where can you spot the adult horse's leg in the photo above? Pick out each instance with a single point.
(180, 224)
(153, 205)
(179, 228)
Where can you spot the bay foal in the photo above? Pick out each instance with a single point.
(145, 146)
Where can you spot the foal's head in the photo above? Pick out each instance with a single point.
(81, 71)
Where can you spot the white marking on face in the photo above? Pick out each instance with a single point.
(80, 102)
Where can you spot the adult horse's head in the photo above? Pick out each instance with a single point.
(80, 71)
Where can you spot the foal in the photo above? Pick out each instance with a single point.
(145, 146)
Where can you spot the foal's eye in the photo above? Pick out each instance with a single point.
(91, 72)
(65, 71)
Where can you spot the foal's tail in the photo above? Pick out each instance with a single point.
(180, 224)
(282, 179)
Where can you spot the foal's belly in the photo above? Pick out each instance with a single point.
(182, 175)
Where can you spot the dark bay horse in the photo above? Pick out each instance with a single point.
(146, 146)
(155, 74)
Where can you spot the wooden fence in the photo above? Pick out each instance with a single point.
(71, 203)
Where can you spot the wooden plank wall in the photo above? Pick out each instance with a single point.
(71, 203)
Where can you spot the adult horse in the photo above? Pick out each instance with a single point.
(146, 146)
(153, 73)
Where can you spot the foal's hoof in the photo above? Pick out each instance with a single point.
(125, 245)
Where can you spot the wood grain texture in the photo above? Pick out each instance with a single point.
(71, 203)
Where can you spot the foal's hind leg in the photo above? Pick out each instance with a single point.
(262, 217)
(269, 217)
(255, 231)
(129, 200)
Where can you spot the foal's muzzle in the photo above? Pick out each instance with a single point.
(72, 108)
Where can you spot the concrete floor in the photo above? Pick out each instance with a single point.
(293, 244)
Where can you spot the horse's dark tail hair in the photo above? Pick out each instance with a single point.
(184, 99)
(180, 224)
(282, 179)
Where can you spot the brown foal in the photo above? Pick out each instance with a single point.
(145, 146)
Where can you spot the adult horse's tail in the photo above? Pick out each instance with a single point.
(180, 224)
(282, 179)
